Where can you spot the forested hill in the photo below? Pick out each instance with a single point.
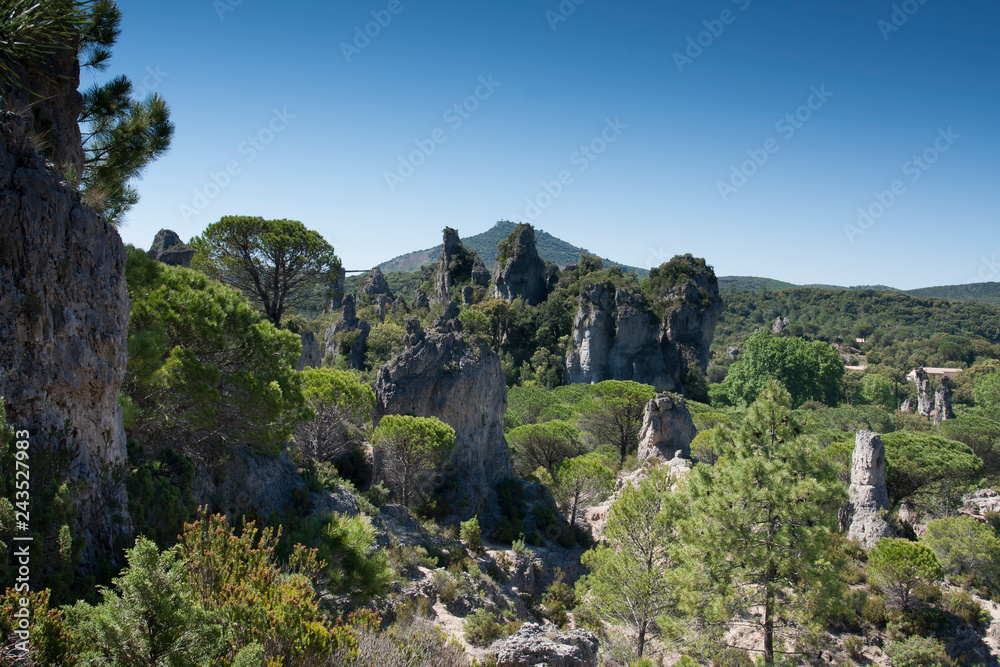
(550, 248)
(988, 293)
(848, 314)
(981, 292)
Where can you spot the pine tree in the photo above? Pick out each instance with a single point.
(759, 532)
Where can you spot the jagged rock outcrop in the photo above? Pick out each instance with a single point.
(336, 292)
(780, 324)
(311, 356)
(480, 274)
(445, 374)
(456, 266)
(866, 515)
(248, 483)
(468, 295)
(534, 645)
(733, 351)
(168, 248)
(64, 314)
(907, 406)
(519, 271)
(693, 310)
(667, 428)
(420, 301)
(348, 336)
(615, 337)
(942, 401)
(373, 286)
(925, 404)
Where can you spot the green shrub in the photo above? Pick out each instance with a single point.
(967, 550)
(471, 534)
(899, 567)
(482, 628)
(918, 652)
(854, 646)
(962, 605)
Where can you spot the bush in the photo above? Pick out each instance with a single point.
(968, 550)
(918, 652)
(962, 605)
(471, 534)
(854, 646)
(899, 567)
(482, 628)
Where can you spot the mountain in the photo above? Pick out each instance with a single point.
(988, 293)
(550, 248)
(979, 292)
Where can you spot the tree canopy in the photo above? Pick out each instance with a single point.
(920, 465)
(275, 263)
(613, 413)
(409, 450)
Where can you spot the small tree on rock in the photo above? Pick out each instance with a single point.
(613, 414)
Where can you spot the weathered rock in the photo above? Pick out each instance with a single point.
(733, 351)
(519, 271)
(460, 381)
(168, 248)
(981, 501)
(373, 286)
(480, 274)
(924, 402)
(615, 337)
(865, 517)
(64, 314)
(468, 295)
(311, 356)
(421, 301)
(348, 336)
(780, 324)
(667, 429)
(942, 401)
(248, 483)
(456, 266)
(535, 646)
(381, 307)
(907, 406)
(336, 292)
(693, 310)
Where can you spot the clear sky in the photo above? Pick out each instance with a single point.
(746, 132)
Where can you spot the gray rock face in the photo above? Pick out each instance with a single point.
(480, 274)
(168, 248)
(866, 515)
(460, 381)
(64, 315)
(373, 286)
(689, 324)
(942, 402)
(535, 645)
(468, 295)
(522, 273)
(667, 429)
(336, 292)
(906, 406)
(615, 337)
(924, 401)
(456, 266)
(311, 356)
(780, 324)
(348, 336)
(248, 483)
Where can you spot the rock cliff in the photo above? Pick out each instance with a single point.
(942, 402)
(64, 315)
(667, 428)
(458, 265)
(168, 248)
(865, 517)
(348, 336)
(692, 311)
(519, 271)
(445, 374)
(373, 286)
(925, 404)
(311, 356)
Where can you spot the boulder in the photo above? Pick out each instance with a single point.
(480, 274)
(445, 374)
(168, 248)
(373, 286)
(348, 336)
(907, 406)
(865, 517)
(311, 356)
(924, 402)
(667, 429)
(519, 271)
(64, 314)
(942, 401)
(536, 646)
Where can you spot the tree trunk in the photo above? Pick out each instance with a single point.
(641, 644)
(769, 626)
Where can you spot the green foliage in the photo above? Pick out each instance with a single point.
(342, 405)
(767, 481)
(546, 445)
(978, 428)
(384, 342)
(482, 628)
(632, 580)
(408, 451)
(920, 467)
(986, 390)
(879, 389)
(203, 366)
(808, 370)
(559, 598)
(53, 640)
(472, 535)
(148, 618)
(899, 567)
(510, 498)
(918, 651)
(613, 414)
(969, 551)
(351, 564)
(275, 263)
(160, 499)
(581, 480)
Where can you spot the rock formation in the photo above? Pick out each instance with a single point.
(348, 336)
(168, 248)
(519, 271)
(865, 517)
(942, 401)
(667, 429)
(336, 292)
(924, 403)
(311, 356)
(420, 301)
(468, 295)
(693, 310)
(780, 324)
(534, 645)
(907, 406)
(480, 274)
(459, 380)
(64, 317)
(456, 266)
(373, 286)
(615, 337)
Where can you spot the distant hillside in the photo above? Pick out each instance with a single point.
(751, 284)
(550, 248)
(979, 292)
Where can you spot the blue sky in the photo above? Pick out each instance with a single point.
(746, 132)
